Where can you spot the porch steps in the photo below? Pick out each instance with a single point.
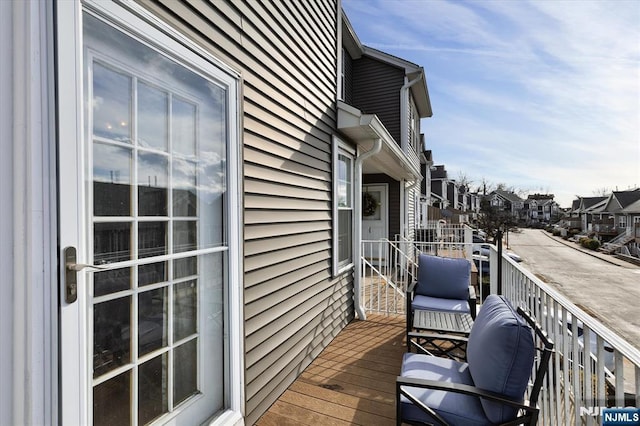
(618, 242)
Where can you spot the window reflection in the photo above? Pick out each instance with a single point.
(152, 273)
(152, 239)
(111, 335)
(107, 282)
(111, 242)
(111, 180)
(183, 116)
(153, 107)
(153, 179)
(111, 104)
(112, 401)
(184, 188)
(153, 397)
(152, 320)
(185, 363)
(185, 309)
(184, 236)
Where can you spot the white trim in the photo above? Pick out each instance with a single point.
(28, 318)
(340, 147)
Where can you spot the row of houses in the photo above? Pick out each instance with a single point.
(613, 219)
(535, 209)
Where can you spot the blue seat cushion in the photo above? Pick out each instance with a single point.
(428, 303)
(457, 409)
(443, 277)
(500, 353)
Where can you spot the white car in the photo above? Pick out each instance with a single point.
(485, 250)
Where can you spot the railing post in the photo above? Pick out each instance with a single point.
(499, 245)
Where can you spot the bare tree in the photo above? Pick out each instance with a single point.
(602, 192)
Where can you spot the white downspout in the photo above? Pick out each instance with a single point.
(404, 103)
(357, 234)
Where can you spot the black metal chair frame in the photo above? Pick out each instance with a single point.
(528, 414)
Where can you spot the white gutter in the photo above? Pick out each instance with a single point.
(357, 234)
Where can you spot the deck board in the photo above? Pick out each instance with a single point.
(352, 382)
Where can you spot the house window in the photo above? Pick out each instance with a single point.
(342, 207)
(622, 221)
(414, 127)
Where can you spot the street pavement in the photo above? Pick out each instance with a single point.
(605, 287)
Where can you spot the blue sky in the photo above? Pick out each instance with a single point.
(543, 95)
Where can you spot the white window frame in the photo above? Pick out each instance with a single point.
(137, 20)
(341, 148)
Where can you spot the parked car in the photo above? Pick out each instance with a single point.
(485, 250)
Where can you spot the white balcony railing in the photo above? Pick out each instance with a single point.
(592, 367)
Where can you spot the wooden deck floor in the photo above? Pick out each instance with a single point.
(352, 382)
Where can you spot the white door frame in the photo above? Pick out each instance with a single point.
(74, 365)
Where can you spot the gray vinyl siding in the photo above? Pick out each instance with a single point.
(376, 90)
(348, 79)
(286, 54)
(394, 200)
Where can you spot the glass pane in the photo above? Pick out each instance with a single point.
(153, 392)
(111, 242)
(111, 104)
(211, 189)
(185, 267)
(344, 235)
(152, 320)
(111, 180)
(153, 177)
(107, 282)
(112, 401)
(185, 309)
(185, 367)
(184, 236)
(152, 273)
(183, 117)
(184, 188)
(153, 106)
(111, 338)
(344, 181)
(152, 239)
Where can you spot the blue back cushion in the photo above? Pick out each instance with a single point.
(500, 353)
(443, 277)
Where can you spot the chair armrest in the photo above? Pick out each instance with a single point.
(462, 389)
(411, 287)
(472, 301)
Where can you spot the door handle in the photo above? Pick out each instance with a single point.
(71, 269)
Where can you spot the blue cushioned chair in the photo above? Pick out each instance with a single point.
(443, 284)
(489, 388)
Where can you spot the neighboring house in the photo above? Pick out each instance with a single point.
(507, 201)
(383, 99)
(181, 208)
(540, 208)
(620, 207)
(585, 210)
(439, 182)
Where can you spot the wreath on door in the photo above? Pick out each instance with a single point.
(369, 204)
